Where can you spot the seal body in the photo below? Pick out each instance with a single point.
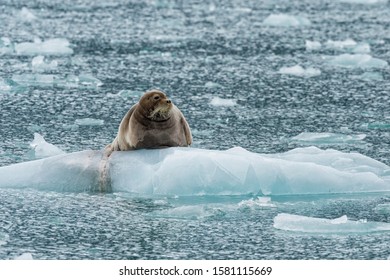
(154, 122)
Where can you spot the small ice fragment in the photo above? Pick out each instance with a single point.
(312, 45)
(89, 80)
(4, 86)
(298, 70)
(24, 256)
(358, 60)
(383, 208)
(26, 15)
(362, 48)
(56, 46)
(34, 79)
(348, 43)
(369, 76)
(125, 93)
(284, 20)
(367, 2)
(89, 122)
(212, 85)
(4, 237)
(6, 46)
(318, 138)
(38, 64)
(42, 149)
(254, 203)
(217, 101)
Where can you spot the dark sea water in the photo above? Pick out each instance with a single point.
(195, 51)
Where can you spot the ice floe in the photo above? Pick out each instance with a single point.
(4, 86)
(26, 15)
(223, 102)
(341, 225)
(260, 202)
(42, 149)
(349, 44)
(190, 171)
(89, 122)
(312, 45)
(51, 80)
(39, 64)
(24, 256)
(315, 138)
(4, 237)
(298, 70)
(383, 208)
(358, 61)
(56, 46)
(285, 20)
(369, 76)
(6, 46)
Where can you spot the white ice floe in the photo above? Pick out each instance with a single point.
(24, 256)
(260, 202)
(299, 71)
(50, 80)
(349, 45)
(6, 46)
(56, 46)
(341, 225)
(42, 149)
(39, 64)
(368, 2)
(4, 86)
(369, 76)
(89, 122)
(212, 85)
(383, 208)
(358, 61)
(223, 102)
(26, 15)
(190, 171)
(312, 45)
(285, 20)
(316, 138)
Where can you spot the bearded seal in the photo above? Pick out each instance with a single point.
(153, 122)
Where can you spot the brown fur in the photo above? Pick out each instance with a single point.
(154, 122)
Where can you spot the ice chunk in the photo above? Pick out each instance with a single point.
(312, 45)
(212, 85)
(89, 122)
(362, 48)
(187, 212)
(83, 80)
(358, 60)
(39, 64)
(57, 46)
(298, 70)
(262, 201)
(315, 138)
(125, 93)
(368, 2)
(42, 149)
(34, 79)
(285, 20)
(348, 43)
(6, 46)
(26, 15)
(340, 225)
(379, 125)
(4, 237)
(369, 76)
(217, 101)
(383, 208)
(190, 171)
(24, 256)
(4, 86)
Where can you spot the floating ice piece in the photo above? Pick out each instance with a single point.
(262, 201)
(188, 212)
(190, 171)
(312, 45)
(383, 208)
(368, 2)
(4, 237)
(369, 76)
(340, 225)
(212, 85)
(34, 79)
(84, 80)
(4, 86)
(89, 122)
(24, 256)
(315, 138)
(57, 46)
(125, 93)
(39, 64)
(298, 70)
(217, 101)
(358, 60)
(49, 80)
(6, 46)
(378, 125)
(349, 44)
(26, 15)
(42, 149)
(286, 20)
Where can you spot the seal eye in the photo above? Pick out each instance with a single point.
(156, 97)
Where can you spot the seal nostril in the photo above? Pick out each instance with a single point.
(169, 101)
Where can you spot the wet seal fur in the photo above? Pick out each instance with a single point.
(154, 122)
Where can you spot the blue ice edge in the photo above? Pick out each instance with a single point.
(192, 172)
